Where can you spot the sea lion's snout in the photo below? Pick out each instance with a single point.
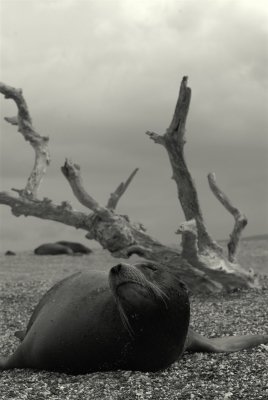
(118, 274)
(129, 284)
(123, 275)
(116, 269)
(123, 272)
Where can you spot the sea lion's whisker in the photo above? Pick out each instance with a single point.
(151, 287)
(124, 318)
(158, 293)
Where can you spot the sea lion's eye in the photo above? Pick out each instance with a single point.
(152, 267)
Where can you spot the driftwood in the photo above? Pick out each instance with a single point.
(240, 219)
(201, 263)
(39, 143)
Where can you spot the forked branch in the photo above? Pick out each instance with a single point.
(240, 219)
(173, 140)
(118, 193)
(45, 209)
(39, 143)
(72, 174)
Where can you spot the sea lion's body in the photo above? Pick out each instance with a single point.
(10, 253)
(52, 249)
(77, 328)
(74, 326)
(138, 319)
(76, 247)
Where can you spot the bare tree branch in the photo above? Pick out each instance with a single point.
(159, 139)
(72, 174)
(116, 235)
(118, 193)
(45, 209)
(39, 143)
(178, 122)
(240, 219)
(173, 140)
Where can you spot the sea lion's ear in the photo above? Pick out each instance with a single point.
(147, 264)
(151, 266)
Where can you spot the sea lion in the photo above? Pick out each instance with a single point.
(137, 318)
(76, 247)
(10, 253)
(52, 249)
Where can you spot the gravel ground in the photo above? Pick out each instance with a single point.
(243, 375)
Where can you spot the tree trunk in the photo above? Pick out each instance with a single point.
(201, 263)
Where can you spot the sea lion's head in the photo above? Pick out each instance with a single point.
(146, 292)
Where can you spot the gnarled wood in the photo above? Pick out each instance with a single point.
(240, 219)
(72, 174)
(173, 140)
(120, 190)
(39, 143)
(201, 264)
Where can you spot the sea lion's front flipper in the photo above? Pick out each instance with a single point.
(3, 363)
(16, 360)
(20, 335)
(227, 344)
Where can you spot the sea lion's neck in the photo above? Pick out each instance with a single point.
(157, 342)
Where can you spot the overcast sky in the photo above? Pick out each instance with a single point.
(97, 74)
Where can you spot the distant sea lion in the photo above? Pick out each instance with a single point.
(76, 247)
(10, 253)
(52, 249)
(139, 321)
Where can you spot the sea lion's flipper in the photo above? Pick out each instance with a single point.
(16, 360)
(227, 344)
(20, 335)
(3, 363)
